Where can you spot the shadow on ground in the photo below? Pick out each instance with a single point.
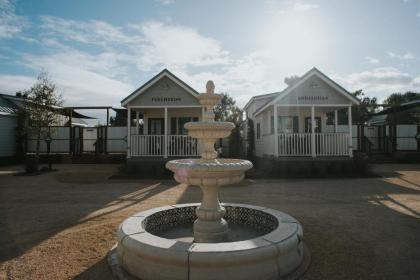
(61, 226)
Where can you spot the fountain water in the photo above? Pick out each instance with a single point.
(209, 240)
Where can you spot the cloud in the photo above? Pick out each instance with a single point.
(81, 78)
(91, 32)
(372, 60)
(186, 48)
(382, 80)
(165, 2)
(418, 15)
(10, 84)
(296, 7)
(243, 78)
(405, 56)
(104, 75)
(146, 43)
(302, 7)
(10, 23)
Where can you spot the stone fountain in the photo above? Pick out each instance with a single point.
(211, 240)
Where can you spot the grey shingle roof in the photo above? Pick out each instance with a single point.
(7, 107)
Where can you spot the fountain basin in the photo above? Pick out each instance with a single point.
(217, 172)
(209, 129)
(264, 244)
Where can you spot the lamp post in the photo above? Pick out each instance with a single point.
(48, 140)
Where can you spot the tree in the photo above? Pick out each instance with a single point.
(360, 113)
(291, 80)
(368, 106)
(251, 141)
(399, 98)
(118, 120)
(227, 111)
(40, 109)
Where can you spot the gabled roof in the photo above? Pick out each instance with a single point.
(269, 96)
(11, 104)
(164, 73)
(313, 72)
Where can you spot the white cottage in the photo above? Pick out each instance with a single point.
(161, 108)
(301, 120)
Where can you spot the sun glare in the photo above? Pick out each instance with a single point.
(295, 41)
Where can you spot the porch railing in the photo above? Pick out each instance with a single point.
(326, 144)
(332, 144)
(163, 146)
(294, 144)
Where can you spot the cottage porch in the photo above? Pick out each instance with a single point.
(304, 131)
(160, 132)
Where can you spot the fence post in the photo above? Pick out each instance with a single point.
(276, 137)
(128, 131)
(166, 134)
(350, 133)
(313, 150)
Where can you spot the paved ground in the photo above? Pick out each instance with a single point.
(60, 225)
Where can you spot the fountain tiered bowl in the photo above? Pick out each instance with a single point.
(209, 240)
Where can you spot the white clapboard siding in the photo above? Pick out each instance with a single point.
(406, 140)
(7, 136)
(60, 141)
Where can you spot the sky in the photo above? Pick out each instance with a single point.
(99, 51)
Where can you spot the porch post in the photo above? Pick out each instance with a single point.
(313, 131)
(350, 134)
(137, 122)
(166, 133)
(128, 132)
(335, 121)
(276, 137)
(202, 114)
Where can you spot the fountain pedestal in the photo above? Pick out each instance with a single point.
(210, 226)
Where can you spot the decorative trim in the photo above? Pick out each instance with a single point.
(152, 81)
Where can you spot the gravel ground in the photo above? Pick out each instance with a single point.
(60, 225)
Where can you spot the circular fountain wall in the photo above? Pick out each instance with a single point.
(263, 244)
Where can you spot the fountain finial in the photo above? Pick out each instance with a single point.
(210, 87)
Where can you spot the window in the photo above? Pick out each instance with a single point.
(288, 124)
(330, 118)
(258, 130)
(177, 125)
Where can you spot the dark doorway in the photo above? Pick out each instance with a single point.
(308, 125)
(156, 126)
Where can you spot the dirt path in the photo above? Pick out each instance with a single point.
(61, 225)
